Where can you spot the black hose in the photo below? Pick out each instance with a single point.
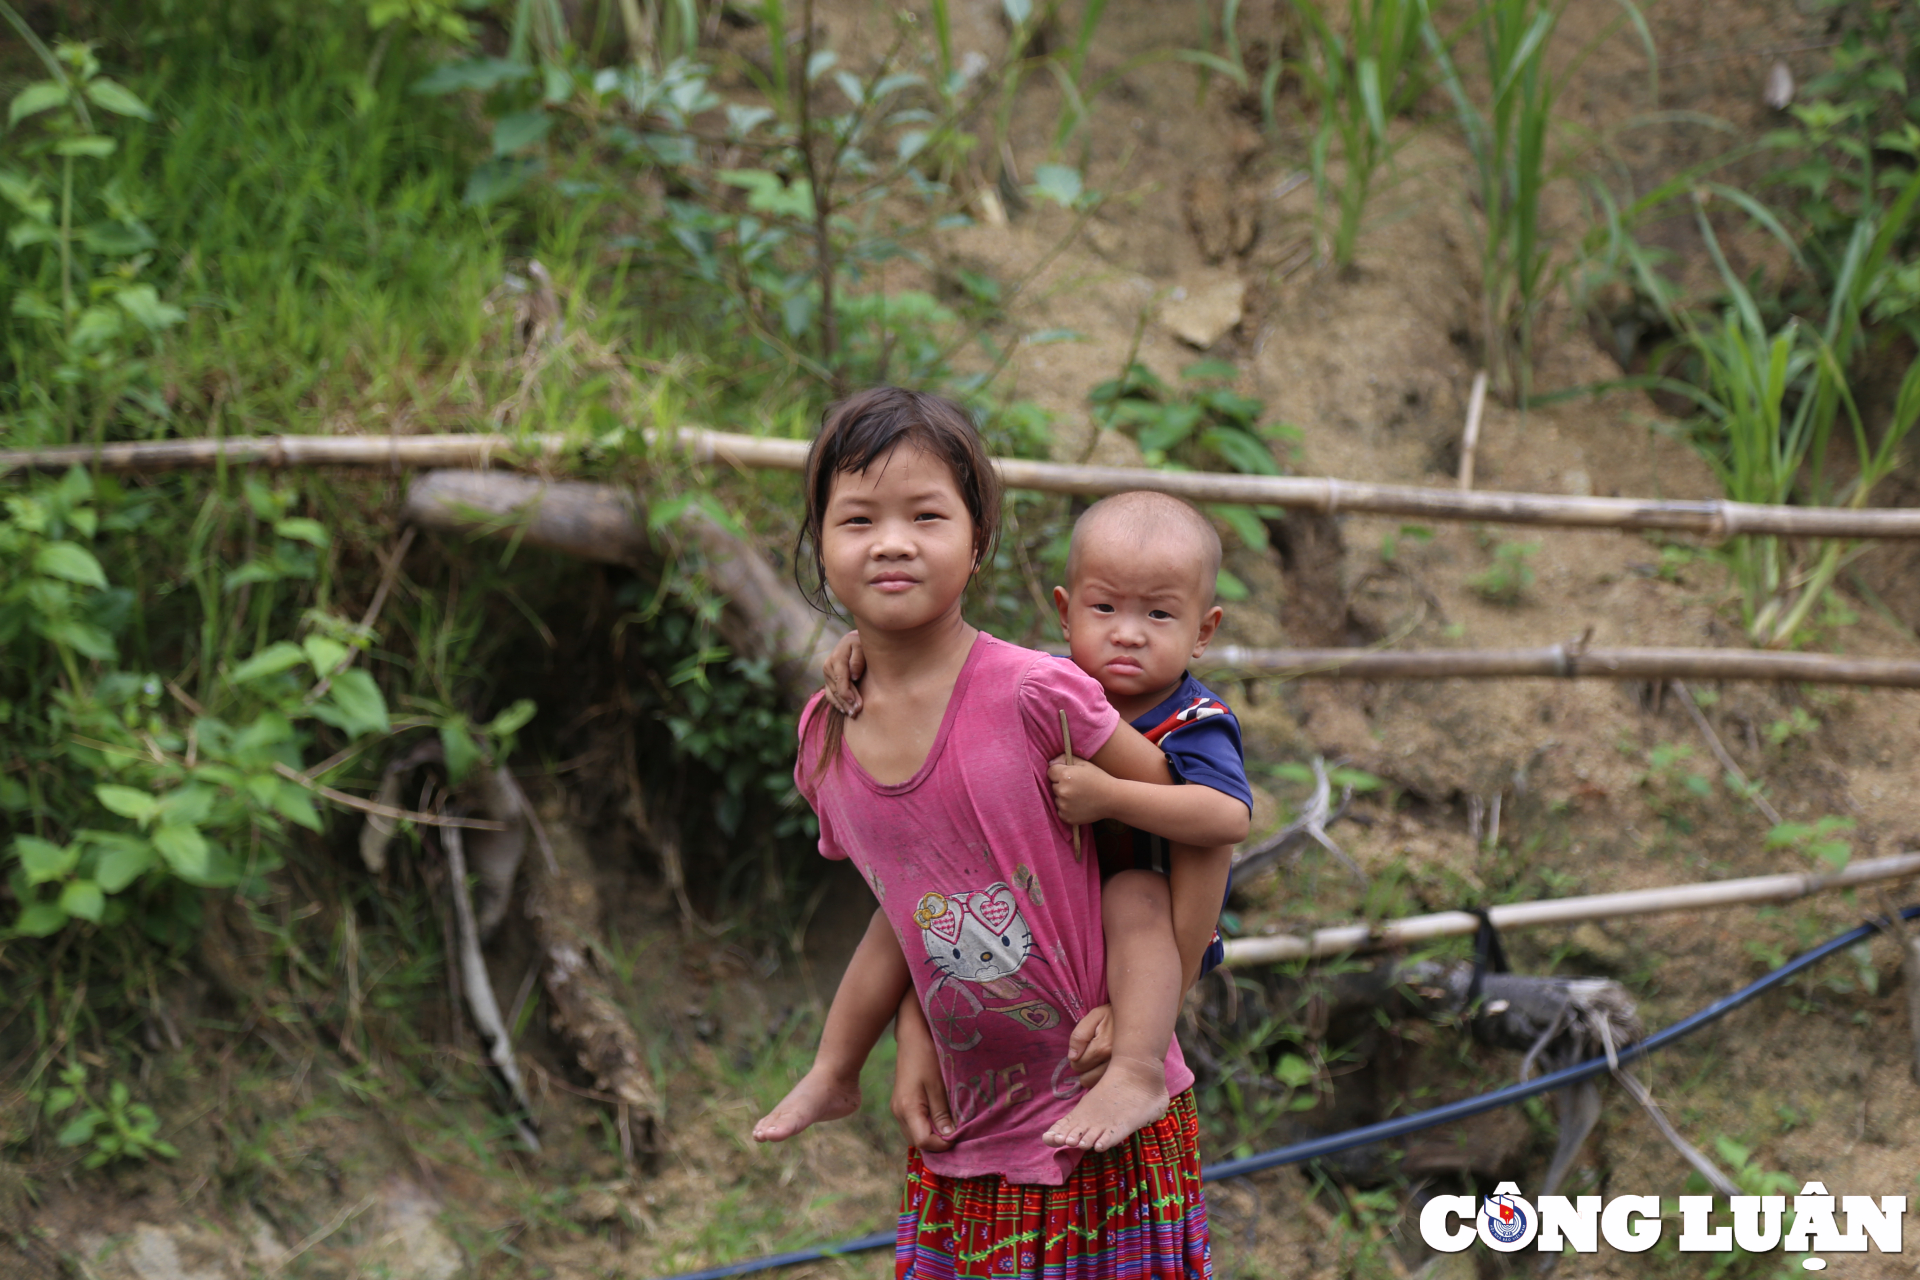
(1319, 1148)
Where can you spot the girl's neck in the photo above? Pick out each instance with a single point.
(938, 647)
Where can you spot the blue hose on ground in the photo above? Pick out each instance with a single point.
(1400, 1126)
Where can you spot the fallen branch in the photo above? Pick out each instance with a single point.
(564, 910)
(1719, 750)
(1562, 661)
(1311, 825)
(1601, 906)
(1476, 403)
(478, 987)
(1710, 518)
(332, 1225)
(384, 810)
(765, 617)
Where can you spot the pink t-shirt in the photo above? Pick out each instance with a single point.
(999, 923)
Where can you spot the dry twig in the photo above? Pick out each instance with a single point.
(388, 573)
(1714, 745)
(1476, 405)
(479, 989)
(1310, 825)
(385, 810)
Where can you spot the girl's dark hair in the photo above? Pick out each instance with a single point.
(854, 434)
(866, 427)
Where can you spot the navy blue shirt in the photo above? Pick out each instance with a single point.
(1201, 739)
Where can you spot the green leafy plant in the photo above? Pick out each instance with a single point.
(1255, 1087)
(114, 1126)
(86, 246)
(1741, 1163)
(1796, 725)
(1361, 77)
(1390, 541)
(1820, 840)
(1853, 146)
(1202, 425)
(1672, 784)
(1508, 579)
(1360, 1228)
(128, 807)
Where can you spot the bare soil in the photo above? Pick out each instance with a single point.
(1374, 367)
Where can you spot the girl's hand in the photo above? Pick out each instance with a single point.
(1090, 1047)
(842, 671)
(919, 1094)
(1081, 790)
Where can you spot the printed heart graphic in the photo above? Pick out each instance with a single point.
(939, 916)
(995, 906)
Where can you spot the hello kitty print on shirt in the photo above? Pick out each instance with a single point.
(976, 937)
(979, 939)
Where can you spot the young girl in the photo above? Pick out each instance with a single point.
(939, 794)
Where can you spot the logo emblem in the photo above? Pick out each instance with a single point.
(1507, 1221)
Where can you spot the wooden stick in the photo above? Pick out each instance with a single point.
(333, 1224)
(1601, 906)
(388, 572)
(294, 776)
(1066, 739)
(1563, 662)
(1719, 750)
(1711, 518)
(481, 1001)
(1476, 404)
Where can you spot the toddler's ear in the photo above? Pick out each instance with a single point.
(1209, 624)
(1060, 603)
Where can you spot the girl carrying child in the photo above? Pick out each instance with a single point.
(939, 794)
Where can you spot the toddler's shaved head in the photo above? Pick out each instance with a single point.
(1142, 518)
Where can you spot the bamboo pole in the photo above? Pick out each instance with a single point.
(1562, 661)
(1710, 518)
(1341, 939)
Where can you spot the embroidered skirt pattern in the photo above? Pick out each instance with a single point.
(1134, 1211)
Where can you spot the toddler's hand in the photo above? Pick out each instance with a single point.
(842, 671)
(1079, 790)
(1091, 1046)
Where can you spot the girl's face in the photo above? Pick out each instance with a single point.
(897, 541)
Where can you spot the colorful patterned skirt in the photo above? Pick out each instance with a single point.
(1134, 1211)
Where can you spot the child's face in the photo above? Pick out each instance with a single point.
(1135, 615)
(897, 542)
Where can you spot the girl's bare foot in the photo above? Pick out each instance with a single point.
(1131, 1095)
(818, 1097)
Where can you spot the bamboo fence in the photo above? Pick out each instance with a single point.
(1562, 661)
(1342, 939)
(1712, 519)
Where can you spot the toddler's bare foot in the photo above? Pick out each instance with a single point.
(1131, 1095)
(816, 1098)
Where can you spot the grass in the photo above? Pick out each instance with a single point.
(1360, 79)
(322, 254)
(1507, 118)
(1777, 401)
